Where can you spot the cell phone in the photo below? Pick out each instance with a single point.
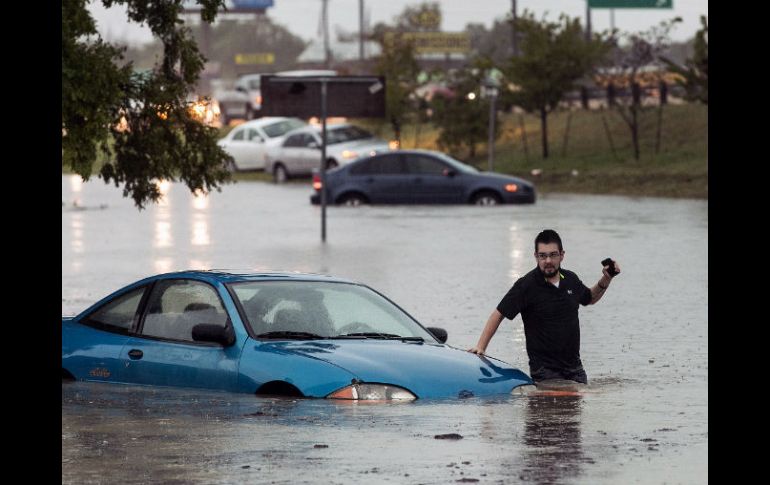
(609, 262)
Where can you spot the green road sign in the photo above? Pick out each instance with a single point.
(631, 3)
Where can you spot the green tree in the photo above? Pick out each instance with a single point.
(142, 122)
(695, 72)
(629, 63)
(463, 118)
(399, 66)
(553, 57)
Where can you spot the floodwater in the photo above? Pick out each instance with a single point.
(642, 419)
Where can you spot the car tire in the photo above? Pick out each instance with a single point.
(331, 163)
(232, 167)
(280, 174)
(486, 197)
(249, 113)
(352, 199)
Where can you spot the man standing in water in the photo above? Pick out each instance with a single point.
(547, 298)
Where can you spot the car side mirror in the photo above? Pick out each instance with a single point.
(313, 144)
(241, 89)
(207, 332)
(439, 333)
(449, 172)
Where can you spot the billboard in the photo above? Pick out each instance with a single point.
(351, 96)
(631, 3)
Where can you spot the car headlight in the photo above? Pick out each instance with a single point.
(372, 392)
(523, 389)
(348, 154)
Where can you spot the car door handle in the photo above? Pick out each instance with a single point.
(135, 354)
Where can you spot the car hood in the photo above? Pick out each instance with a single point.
(500, 177)
(427, 370)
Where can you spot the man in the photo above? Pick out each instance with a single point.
(547, 298)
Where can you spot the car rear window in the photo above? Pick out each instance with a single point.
(280, 128)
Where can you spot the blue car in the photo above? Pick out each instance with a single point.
(284, 334)
(419, 177)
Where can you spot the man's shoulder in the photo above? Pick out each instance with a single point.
(569, 275)
(532, 277)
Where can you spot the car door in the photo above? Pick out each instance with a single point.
(309, 155)
(253, 155)
(236, 147)
(383, 179)
(433, 181)
(290, 153)
(163, 351)
(92, 350)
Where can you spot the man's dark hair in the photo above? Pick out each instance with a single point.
(548, 236)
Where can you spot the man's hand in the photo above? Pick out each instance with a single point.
(606, 271)
(476, 350)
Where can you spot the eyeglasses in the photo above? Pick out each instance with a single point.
(544, 256)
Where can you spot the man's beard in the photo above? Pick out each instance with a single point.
(551, 272)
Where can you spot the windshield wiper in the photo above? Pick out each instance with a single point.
(291, 335)
(380, 335)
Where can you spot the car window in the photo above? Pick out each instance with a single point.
(345, 134)
(239, 134)
(383, 165)
(308, 139)
(325, 309)
(254, 135)
(282, 127)
(176, 306)
(294, 140)
(117, 314)
(424, 164)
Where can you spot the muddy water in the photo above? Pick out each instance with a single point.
(642, 419)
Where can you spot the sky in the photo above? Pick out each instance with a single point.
(301, 17)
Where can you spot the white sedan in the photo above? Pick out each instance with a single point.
(300, 151)
(248, 143)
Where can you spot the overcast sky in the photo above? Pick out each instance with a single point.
(301, 17)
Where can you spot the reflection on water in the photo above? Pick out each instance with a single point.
(553, 448)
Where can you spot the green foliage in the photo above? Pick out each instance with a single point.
(424, 17)
(399, 66)
(695, 72)
(553, 57)
(463, 122)
(142, 122)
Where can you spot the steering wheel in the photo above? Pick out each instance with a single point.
(355, 327)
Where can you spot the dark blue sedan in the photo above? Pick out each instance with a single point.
(283, 334)
(419, 177)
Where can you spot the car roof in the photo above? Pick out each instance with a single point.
(265, 121)
(317, 128)
(235, 276)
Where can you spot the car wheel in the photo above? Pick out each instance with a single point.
(330, 164)
(249, 113)
(486, 198)
(280, 175)
(352, 199)
(232, 167)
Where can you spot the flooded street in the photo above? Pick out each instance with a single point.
(642, 419)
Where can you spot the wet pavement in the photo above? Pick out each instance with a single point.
(642, 419)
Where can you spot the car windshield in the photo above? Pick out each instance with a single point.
(280, 128)
(315, 309)
(460, 166)
(346, 133)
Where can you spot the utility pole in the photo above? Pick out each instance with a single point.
(361, 31)
(588, 21)
(325, 30)
(514, 44)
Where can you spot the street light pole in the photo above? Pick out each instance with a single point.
(492, 99)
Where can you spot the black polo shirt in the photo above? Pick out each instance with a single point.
(550, 317)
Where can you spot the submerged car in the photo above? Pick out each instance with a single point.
(249, 142)
(286, 334)
(300, 152)
(419, 177)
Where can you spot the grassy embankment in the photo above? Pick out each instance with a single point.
(680, 169)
